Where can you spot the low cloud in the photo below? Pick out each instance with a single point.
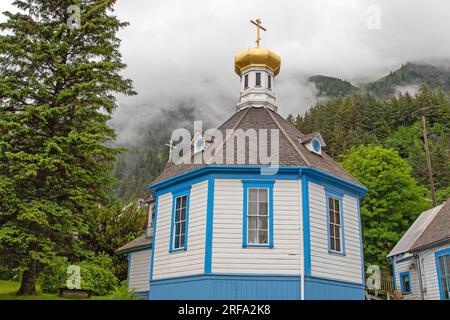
(181, 52)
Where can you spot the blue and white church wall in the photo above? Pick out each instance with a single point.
(189, 261)
(335, 268)
(218, 262)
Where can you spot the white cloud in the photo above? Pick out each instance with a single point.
(183, 50)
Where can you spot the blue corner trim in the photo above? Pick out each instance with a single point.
(257, 184)
(403, 275)
(306, 230)
(183, 191)
(361, 242)
(129, 269)
(339, 196)
(209, 225)
(438, 254)
(152, 259)
(393, 273)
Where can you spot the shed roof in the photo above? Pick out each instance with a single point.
(430, 226)
(437, 230)
(141, 242)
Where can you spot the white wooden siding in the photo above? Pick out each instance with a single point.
(139, 272)
(324, 264)
(228, 255)
(191, 261)
(429, 272)
(403, 266)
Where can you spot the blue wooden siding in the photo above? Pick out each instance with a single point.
(327, 289)
(227, 287)
(253, 287)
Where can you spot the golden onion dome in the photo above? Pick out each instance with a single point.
(257, 57)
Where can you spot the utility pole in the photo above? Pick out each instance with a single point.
(428, 158)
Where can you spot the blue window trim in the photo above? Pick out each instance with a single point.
(339, 196)
(393, 273)
(185, 191)
(438, 254)
(258, 184)
(402, 276)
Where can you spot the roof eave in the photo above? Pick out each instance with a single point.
(359, 189)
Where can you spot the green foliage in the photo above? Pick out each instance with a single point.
(123, 293)
(393, 202)
(111, 226)
(96, 275)
(57, 89)
(54, 275)
(443, 195)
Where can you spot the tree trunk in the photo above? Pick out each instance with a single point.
(28, 284)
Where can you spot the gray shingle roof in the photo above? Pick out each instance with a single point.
(291, 150)
(430, 227)
(138, 243)
(438, 230)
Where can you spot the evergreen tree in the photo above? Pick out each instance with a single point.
(57, 86)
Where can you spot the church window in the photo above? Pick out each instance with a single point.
(269, 82)
(335, 223)
(258, 214)
(246, 81)
(180, 212)
(258, 79)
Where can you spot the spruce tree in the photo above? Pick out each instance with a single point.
(58, 81)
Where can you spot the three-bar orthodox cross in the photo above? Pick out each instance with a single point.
(258, 25)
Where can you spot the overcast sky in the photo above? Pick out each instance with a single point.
(182, 50)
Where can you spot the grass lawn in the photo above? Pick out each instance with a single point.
(9, 288)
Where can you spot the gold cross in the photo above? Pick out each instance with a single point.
(258, 25)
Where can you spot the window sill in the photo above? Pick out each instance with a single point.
(178, 250)
(336, 253)
(267, 246)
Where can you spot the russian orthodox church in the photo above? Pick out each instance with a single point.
(238, 227)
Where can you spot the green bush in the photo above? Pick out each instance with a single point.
(123, 293)
(54, 275)
(95, 275)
